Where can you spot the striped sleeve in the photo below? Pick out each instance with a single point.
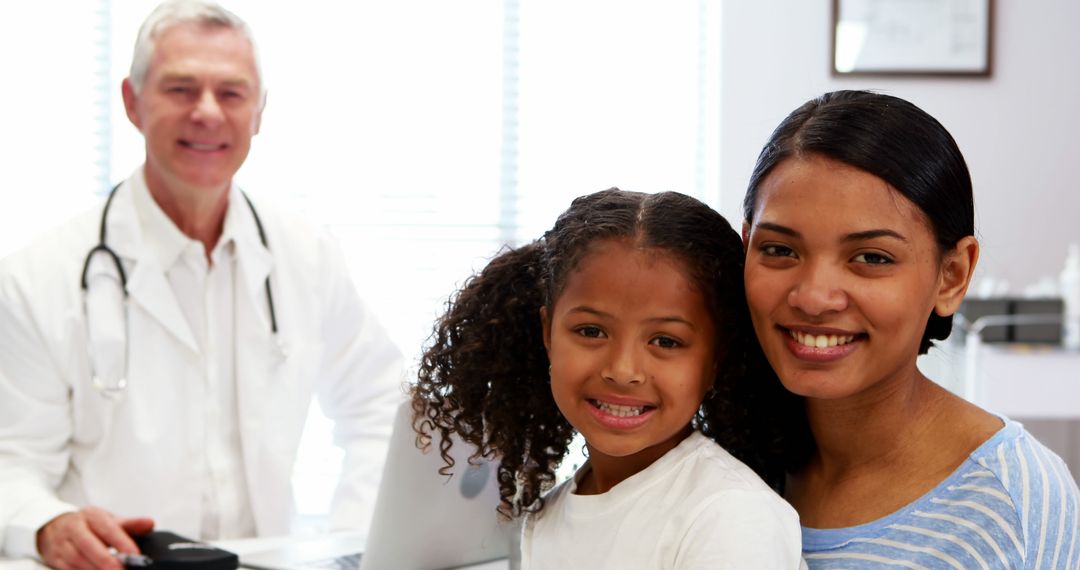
(1046, 499)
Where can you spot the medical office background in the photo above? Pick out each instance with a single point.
(425, 134)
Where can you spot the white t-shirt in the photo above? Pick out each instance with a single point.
(695, 507)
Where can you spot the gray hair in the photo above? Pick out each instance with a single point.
(173, 12)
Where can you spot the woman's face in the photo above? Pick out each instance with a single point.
(842, 273)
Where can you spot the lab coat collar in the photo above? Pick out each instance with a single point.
(159, 232)
(147, 284)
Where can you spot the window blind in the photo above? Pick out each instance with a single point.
(55, 148)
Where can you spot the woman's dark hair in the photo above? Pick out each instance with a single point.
(485, 374)
(897, 142)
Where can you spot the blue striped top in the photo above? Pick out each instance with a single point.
(1011, 504)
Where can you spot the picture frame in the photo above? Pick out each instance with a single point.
(912, 37)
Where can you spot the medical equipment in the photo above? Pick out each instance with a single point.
(113, 390)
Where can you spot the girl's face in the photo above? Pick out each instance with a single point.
(842, 273)
(631, 345)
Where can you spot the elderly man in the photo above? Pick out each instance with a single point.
(177, 392)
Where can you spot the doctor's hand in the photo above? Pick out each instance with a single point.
(81, 540)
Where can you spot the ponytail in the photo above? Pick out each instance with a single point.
(484, 377)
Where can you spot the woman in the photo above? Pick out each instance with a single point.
(859, 230)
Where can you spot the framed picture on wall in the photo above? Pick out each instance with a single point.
(912, 37)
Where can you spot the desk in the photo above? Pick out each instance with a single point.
(244, 546)
(1028, 382)
(1019, 380)
(241, 546)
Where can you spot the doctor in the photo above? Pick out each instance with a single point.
(177, 395)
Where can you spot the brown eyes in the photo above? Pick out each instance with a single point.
(661, 341)
(665, 342)
(777, 251)
(590, 332)
(866, 257)
(872, 258)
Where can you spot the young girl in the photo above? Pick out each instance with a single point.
(860, 246)
(627, 323)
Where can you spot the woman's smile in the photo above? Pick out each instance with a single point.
(821, 347)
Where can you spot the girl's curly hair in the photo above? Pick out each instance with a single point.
(484, 376)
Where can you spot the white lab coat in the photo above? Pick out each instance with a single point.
(64, 445)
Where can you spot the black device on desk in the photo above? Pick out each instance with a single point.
(170, 551)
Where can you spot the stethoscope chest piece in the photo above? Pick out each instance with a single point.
(112, 391)
(108, 344)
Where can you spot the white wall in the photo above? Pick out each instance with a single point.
(1019, 130)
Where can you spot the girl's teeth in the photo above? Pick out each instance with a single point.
(620, 411)
(821, 341)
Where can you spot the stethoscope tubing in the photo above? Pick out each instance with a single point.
(114, 390)
(102, 247)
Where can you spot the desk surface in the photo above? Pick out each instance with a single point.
(244, 546)
(240, 546)
(1029, 382)
(7, 564)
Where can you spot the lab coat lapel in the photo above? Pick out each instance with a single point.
(254, 263)
(258, 357)
(260, 362)
(147, 286)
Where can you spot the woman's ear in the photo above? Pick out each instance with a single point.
(545, 322)
(745, 234)
(957, 267)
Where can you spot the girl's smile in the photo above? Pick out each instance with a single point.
(629, 414)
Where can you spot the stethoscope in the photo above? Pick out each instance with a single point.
(113, 390)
